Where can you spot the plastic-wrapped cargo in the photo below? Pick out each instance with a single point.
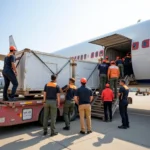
(35, 69)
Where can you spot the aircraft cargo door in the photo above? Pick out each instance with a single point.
(115, 45)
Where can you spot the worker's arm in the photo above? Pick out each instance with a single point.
(64, 89)
(44, 97)
(58, 95)
(61, 91)
(91, 96)
(13, 64)
(58, 99)
(91, 99)
(120, 94)
(44, 94)
(76, 99)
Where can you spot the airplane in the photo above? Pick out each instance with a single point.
(134, 39)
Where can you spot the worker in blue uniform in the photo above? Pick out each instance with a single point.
(119, 63)
(127, 62)
(51, 101)
(123, 104)
(69, 104)
(103, 69)
(10, 73)
(84, 98)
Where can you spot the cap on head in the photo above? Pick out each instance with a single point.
(12, 48)
(106, 57)
(83, 80)
(112, 62)
(104, 61)
(107, 85)
(117, 57)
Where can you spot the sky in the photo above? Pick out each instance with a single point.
(50, 25)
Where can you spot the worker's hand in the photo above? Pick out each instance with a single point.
(16, 73)
(58, 105)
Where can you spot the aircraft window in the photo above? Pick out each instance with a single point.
(96, 54)
(84, 56)
(78, 57)
(145, 43)
(101, 53)
(75, 57)
(135, 45)
(81, 57)
(92, 55)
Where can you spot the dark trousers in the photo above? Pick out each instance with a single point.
(68, 110)
(113, 85)
(9, 76)
(124, 114)
(108, 107)
(103, 79)
(126, 69)
(50, 111)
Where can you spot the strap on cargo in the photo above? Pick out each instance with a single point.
(19, 60)
(92, 72)
(63, 67)
(42, 61)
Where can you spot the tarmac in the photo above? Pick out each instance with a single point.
(105, 136)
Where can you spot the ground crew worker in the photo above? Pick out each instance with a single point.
(51, 100)
(107, 61)
(127, 62)
(130, 65)
(119, 63)
(9, 74)
(83, 98)
(113, 75)
(103, 69)
(69, 101)
(107, 97)
(123, 104)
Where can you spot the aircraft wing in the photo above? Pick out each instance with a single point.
(2, 57)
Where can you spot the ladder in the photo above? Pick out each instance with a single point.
(97, 108)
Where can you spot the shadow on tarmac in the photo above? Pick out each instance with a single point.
(138, 134)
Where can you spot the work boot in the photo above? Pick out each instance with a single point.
(66, 128)
(82, 132)
(105, 120)
(89, 132)
(54, 134)
(11, 99)
(45, 133)
(5, 99)
(122, 127)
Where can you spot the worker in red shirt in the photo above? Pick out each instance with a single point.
(107, 97)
